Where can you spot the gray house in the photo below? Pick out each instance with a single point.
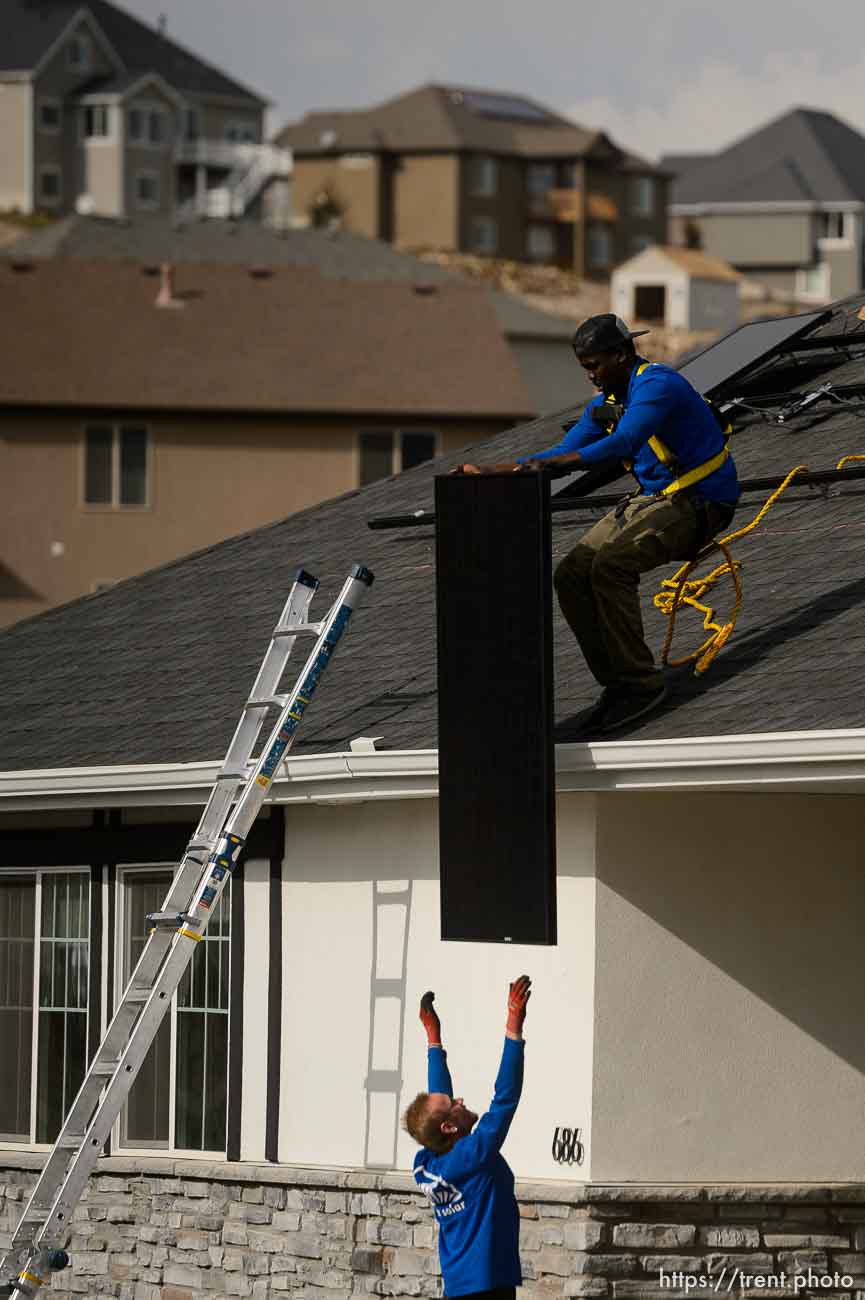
(100, 111)
(784, 205)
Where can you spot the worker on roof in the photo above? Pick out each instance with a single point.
(650, 418)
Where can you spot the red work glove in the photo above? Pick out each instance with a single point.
(519, 993)
(430, 1021)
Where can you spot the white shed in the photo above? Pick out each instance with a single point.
(681, 287)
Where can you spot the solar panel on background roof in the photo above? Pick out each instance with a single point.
(518, 110)
(745, 348)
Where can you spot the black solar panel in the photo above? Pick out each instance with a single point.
(745, 348)
(506, 106)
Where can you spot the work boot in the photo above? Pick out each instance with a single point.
(627, 705)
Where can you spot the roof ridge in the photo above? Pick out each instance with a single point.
(808, 116)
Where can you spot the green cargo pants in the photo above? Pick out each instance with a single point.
(597, 583)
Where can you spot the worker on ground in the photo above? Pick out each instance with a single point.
(648, 416)
(460, 1169)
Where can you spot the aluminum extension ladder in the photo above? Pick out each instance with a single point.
(241, 787)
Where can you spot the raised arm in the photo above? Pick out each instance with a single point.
(438, 1074)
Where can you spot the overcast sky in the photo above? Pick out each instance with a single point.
(670, 76)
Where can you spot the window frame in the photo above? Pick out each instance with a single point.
(482, 247)
(397, 436)
(148, 110)
(94, 957)
(483, 177)
(188, 114)
(124, 872)
(235, 130)
(115, 504)
(96, 139)
(643, 196)
(49, 101)
(547, 228)
(80, 40)
(845, 239)
(534, 189)
(147, 174)
(45, 200)
(596, 228)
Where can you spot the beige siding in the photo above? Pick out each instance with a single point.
(354, 184)
(426, 203)
(209, 479)
(759, 238)
(16, 146)
(102, 168)
(730, 991)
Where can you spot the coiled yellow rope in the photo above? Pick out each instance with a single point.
(681, 589)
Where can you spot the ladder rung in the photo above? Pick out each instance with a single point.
(236, 777)
(268, 701)
(70, 1141)
(35, 1214)
(298, 629)
(138, 993)
(103, 1069)
(168, 920)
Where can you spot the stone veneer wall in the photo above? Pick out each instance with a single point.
(177, 1230)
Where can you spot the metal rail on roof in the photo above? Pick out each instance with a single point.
(562, 503)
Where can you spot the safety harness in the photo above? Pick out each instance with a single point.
(609, 421)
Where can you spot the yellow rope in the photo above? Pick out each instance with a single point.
(845, 460)
(681, 589)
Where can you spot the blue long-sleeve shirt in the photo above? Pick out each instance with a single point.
(659, 401)
(471, 1188)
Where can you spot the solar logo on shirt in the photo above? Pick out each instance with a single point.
(444, 1197)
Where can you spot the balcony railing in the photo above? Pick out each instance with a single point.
(568, 205)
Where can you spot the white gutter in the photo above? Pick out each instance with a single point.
(777, 761)
(706, 208)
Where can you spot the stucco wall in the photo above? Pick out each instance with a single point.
(237, 475)
(16, 146)
(426, 202)
(342, 865)
(758, 238)
(730, 991)
(712, 305)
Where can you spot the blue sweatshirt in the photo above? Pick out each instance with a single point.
(659, 401)
(471, 1188)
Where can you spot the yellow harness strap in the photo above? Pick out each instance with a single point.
(666, 457)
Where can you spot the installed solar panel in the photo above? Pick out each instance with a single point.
(747, 347)
(507, 106)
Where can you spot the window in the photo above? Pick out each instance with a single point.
(483, 177)
(191, 1044)
(600, 245)
(78, 53)
(44, 989)
(540, 242)
(643, 196)
(146, 126)
(190, 123)
(50, 185)
(115, 466)
(540, 177)
(383, 452)
(50, 116)
(812, 282)
(147, 189)
(835, 225)
(483, 235)
(95, 122)
(241, 132)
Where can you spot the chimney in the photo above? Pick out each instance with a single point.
(165, 297)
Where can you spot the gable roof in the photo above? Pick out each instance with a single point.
(156, 668)
(698, 264)
(805, 155)
(289, 341)
(30, 28)
(439, 118)
(337, 255)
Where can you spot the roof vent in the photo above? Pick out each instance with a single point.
(327, 139)
(260, 272)
(425, 289)
(21, 266)
(165, 297)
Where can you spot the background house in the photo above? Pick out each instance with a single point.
(124, 442)
(680, 288)
(99, 109)
(698, 1023)
(485, 172)
(784, 205)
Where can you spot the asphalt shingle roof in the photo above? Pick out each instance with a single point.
(30, 27)
(156, 668)
(803, 155)
(337, 255)
(77, 333)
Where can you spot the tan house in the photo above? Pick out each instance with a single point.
(101, 112)
(141, 420)
(478, 171)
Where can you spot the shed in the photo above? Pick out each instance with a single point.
(681, 287)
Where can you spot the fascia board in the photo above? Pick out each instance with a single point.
(775, 205)
(777, 761)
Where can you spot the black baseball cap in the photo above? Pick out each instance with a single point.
(602, 333)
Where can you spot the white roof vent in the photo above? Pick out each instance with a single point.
(84, 205)
(327, 139)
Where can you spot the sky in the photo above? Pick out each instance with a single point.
(668, 77)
